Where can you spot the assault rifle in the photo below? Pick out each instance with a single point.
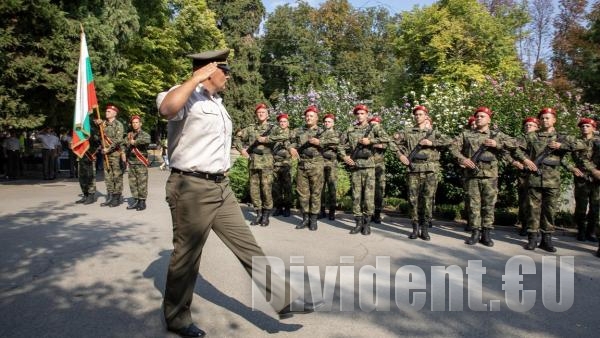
(482, 148)
(308, 144)
(265, 133)
(541, 157)
(417, 148)
(360, 146)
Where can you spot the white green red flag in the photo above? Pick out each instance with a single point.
(85, 102)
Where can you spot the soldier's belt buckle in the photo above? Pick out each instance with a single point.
(219, 178)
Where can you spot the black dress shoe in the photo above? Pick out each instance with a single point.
(299, 307)
(190, 331)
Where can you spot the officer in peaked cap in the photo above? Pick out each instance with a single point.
(219, 56)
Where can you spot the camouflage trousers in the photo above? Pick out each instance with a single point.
(87, 175)
(363, 191)
(379, 185)
(587, 194)
(309, 184)
(328, 195)
(482, 194)
(138, 181)
(543, 203)
(523, 200)
(282, 186)
(113, 174)
(421, 192)
(261, 182)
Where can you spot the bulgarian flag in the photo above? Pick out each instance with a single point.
(85, 102)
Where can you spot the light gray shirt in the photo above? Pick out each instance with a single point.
(199, 136)
(49, 141)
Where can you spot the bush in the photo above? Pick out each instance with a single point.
(238, 175)
(450, 212)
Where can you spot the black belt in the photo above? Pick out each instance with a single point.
(207, 176)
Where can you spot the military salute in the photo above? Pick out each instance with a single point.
(419, 149)
(136, 144)
(305, 146)
(357, 152)
(112, 145)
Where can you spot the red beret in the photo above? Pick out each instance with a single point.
(484, 110)
(375, 119)
(423, 108)
(135, 117)
(585, 120)
(260, 106)
(329, 116)
(282, 116)
(311, 108)
(531, 119)
(360, 107)
(471, 120)
(547, 110)
(112, 106)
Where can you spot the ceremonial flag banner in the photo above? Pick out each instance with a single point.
(85, 102)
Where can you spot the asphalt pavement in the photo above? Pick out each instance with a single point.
(69, 270)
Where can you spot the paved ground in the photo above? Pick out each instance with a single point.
(80, 271)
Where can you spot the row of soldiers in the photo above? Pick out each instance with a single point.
(119, 150)
(539, 153)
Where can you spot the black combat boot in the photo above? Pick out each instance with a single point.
(359, 225)
(424, 232)
(322, 213)
(331, 215)
(265, 217)
(286, 211)
(109, 198)
(312, 224)
(581, 232)
(415, 233)
(547, 242)
(377, 217)
(133, 205)
(278, 211)
(91, 198)
(486, 238)
(305, 221)
(366, 229)
(589, 235)
(531, 241)
(83, 199)
(258, 218)
(116, 200)
(475, 237)
(141, 205)
(523, 231)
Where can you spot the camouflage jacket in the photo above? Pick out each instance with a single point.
(536, 144)
(113, 135)
(261, 156)
(363, 156)
(142, 141)
(310, 155)
(281, 155)
(424, 158)
(330, 141)
(466, 144)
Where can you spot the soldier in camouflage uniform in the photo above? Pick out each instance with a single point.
(468, 227)
(260, 167)
(419, 149)
(329, 143)
(305, 145)
(379, 159)
(547, 148)
(591, 165)
(587, 189)
(137, 143)
(479, 151)
(282, 169)
(530, 125)
(357, 152)
(113, 144)
(86, 169)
